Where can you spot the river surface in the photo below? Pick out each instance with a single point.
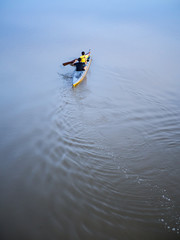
(102, 160)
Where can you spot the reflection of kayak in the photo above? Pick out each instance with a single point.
(80, 75)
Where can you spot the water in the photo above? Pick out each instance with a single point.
(100, 161)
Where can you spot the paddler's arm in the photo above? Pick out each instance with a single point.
(88, 55)
(72, 64)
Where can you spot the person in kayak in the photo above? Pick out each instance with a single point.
(85, 57)
(80, 66)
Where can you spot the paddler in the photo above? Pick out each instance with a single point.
(80, 66)
(85, 57)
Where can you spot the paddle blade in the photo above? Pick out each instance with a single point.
(66, 63)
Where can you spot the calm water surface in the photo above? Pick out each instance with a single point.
(100, 161)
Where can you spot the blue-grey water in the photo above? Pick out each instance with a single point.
(102, 160)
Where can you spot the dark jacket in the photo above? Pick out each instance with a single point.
(79, 66)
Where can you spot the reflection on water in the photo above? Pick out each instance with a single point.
(99, 161)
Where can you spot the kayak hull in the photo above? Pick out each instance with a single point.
(79, 76)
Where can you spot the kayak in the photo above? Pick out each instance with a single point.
(80, 75)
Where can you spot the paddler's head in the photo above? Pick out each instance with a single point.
(79, 59)
(83, 53)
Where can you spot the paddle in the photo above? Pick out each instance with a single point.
(66, 63)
